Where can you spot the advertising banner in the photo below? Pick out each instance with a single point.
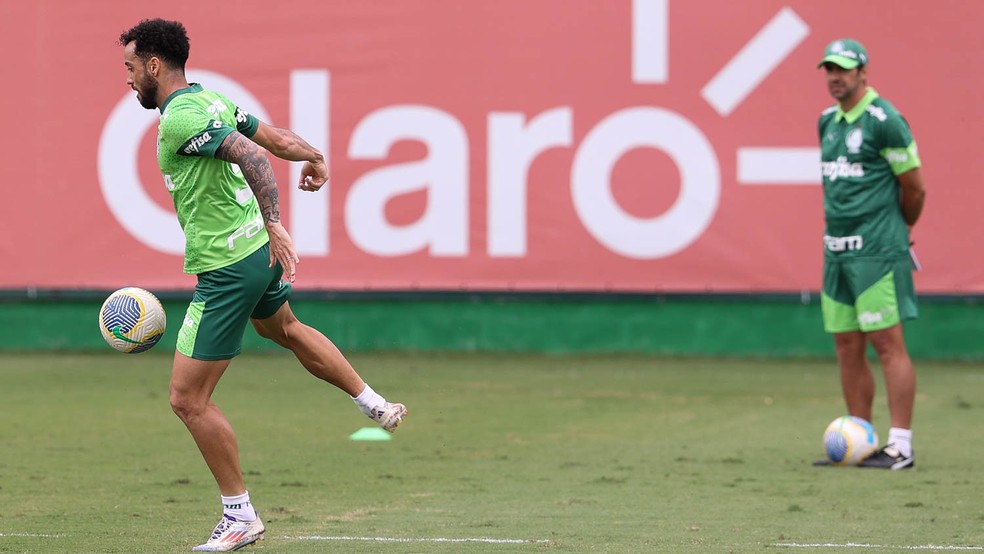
(515, 145)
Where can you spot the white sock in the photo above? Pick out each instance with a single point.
(239, 507)
(367, 400)
(902, 439)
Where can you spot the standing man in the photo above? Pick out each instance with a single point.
(872, 194)
(227, 202)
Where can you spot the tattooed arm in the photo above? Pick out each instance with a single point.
(237, 149)
(287, 145)
(252, 161)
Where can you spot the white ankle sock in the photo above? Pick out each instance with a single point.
(367, 400)
(902, 439)
(239, 507)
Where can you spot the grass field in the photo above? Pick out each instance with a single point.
(499, 454)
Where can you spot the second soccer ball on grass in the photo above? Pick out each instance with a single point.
(848, 440)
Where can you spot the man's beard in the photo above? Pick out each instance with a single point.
(147, 93)
(844, 92)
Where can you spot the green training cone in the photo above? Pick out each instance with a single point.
(371, 434)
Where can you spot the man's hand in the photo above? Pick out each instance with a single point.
(313, 176)
(282, 249)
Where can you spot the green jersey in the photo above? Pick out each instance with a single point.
(215, 206)
(862, 151)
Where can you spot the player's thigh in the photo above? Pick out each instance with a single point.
(905, 290)
(272, 313)
(837, 300)
(193, 381)
(885, 296)
(275, 295)
(275, 326)
(224, 298)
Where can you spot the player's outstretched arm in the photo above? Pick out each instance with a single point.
(287, 145)
(253, 162)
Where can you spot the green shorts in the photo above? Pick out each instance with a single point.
(867, 294)
(224, 301)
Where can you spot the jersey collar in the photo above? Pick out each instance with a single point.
(192, 87)
(855, 112)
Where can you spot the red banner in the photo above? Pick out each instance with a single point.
(548, 145)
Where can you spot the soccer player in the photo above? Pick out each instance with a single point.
(873, 194)
(227, 203)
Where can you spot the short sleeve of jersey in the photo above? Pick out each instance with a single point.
(898, 147)
(246, 123)
(193, 129)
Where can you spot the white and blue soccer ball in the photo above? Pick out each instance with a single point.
(132, 320)
(848, 440)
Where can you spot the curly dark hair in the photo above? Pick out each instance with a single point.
(168, 40)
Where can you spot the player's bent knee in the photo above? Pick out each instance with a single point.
(262, 331)
(278, 330)
(282, 337)
(186, 406)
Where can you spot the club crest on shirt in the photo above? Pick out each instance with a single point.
(853, 140)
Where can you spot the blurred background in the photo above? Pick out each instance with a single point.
(621, 176)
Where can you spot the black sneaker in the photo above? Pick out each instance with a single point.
(889, 457)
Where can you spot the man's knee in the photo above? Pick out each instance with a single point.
(265, 331)
(888, 342)
(850, 345)
(186, 406)
(276, 327)
(180, 409)
(285, 333)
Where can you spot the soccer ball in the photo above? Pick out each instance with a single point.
(132, 320)
(848, 440)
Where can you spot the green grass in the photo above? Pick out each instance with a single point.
(586, 454)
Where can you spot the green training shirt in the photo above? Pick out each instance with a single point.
(862, 151)
(219, 216)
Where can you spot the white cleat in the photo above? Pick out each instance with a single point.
(389, 416)
(232, 534)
